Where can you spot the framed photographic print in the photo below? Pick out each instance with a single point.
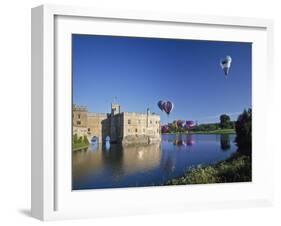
(137, 112)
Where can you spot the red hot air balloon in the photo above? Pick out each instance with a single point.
(168, 107)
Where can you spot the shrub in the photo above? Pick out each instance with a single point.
(243, 127)
(85, 140)
(75, 139)
(237, 168)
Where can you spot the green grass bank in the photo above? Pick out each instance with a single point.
(235, 169)
(218, 131)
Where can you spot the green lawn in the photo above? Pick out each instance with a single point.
(218, 131)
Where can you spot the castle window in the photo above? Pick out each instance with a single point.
(78, 123)
(150, 122)
(136, 130)
(129, 121)
(79, 116)
(89, 129)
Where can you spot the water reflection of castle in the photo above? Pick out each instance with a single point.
(120, 160)
(118, 165)
(135, 158)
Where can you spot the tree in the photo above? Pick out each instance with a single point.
(225, 142)
(173, 126)
(243, 127)
(232, 124)
(75, 139)
(225, 121)
(85, 140)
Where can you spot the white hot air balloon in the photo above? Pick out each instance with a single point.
(226, 64)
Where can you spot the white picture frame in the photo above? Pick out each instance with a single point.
(52, 197)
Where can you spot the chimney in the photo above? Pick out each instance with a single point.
(147, 114)
(148, 111)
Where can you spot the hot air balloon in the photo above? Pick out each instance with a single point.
(189, 124)
(226, 64)
(160, 104)
(168, 107)
(164, 129)
(180, 123)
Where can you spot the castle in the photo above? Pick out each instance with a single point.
(119, 127)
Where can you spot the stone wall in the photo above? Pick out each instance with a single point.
(141, 128)
(125, 127)
(79, 116)
(112, 126)
(86, 123)
(94, 125)
(116, 127)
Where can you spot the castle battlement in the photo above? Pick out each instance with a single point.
(79, 108)
(92, 114)
(140, 114)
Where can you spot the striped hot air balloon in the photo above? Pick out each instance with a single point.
(168, 107)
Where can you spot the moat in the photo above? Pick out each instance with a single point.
(113, 165)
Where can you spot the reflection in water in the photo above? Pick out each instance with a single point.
(107, 145)
(127, 160)
(179, 142)
(225, 142)
(113, 165)
(190, 140)
(94, 146)
(183, 140)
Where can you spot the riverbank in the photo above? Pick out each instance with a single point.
(237, 168)
(79, 146)
(218, 131)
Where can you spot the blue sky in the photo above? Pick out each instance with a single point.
(141, 71)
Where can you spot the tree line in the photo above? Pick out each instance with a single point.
(242, 127)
